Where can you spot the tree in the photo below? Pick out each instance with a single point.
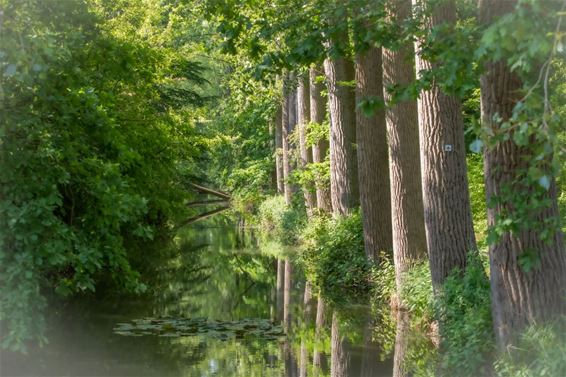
(447, 211)
(526, 253)
(286, 119)
(339, 70)
(303, 118)
(279, 149)
(320, 147)
(409, 240)
(373, 159)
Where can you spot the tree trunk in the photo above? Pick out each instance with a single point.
(303, 115)
(319, 150)
(409, 240)
(519, 298)
(286, 117)
(448, 215)
(373, 160)
(343, 164)
(279, 150)
(279, 288)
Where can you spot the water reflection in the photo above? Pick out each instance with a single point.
(221, 274)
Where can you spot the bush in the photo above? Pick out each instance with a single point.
(280, 221)
(334, 258)
(464, 312)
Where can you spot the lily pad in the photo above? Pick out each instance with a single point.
(180, 327)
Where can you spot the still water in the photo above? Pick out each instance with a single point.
(221, 303)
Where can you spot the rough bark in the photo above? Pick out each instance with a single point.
(409, 240)
(319, 150)
(519, 298)
(447, 210)
(286, 118)
(303, 118)
(279, 150)
(343, 161)
(373, 159)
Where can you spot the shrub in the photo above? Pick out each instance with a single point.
(280, 221)
(464, 312)
(334, 258)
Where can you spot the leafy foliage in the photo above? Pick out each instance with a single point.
(93, 151)
(334, 258)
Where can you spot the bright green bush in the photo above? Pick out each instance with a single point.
(334, 258)
(280, 221)
(464, 313)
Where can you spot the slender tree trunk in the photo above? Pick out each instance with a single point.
(338, 353)
(373, 159)
(343, 160)
(519, 298)
(286, 119)
(319, 150)
(409, 240)
(279, 150)
(303, 115)
(448, 215)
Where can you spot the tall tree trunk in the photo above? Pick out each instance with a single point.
(286, 118)
(279, 150)
(343, 161)
(448, 215)
(409, 240)
(373, 159)
(319, 150)
(303, 115)
(519, 298)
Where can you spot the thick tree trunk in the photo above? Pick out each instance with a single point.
(409, 240)
(447, 211)
(319, 150)
(279, 150)
(373, 159)
(519, 298)
(343, 160)
(286, 118)
(303, 115)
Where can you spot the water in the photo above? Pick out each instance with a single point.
(219, 305)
